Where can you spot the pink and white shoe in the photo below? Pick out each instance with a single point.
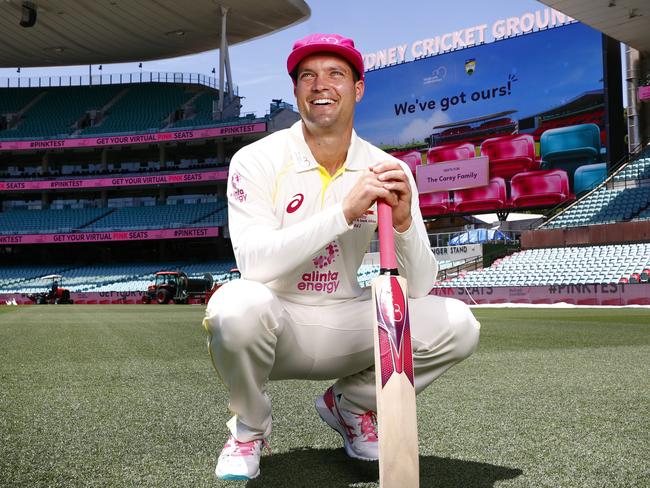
(359, 431)
(240, 460)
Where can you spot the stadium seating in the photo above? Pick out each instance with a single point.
(588, 177)
(15, 99)
(560, 266)
(450, 152)
(585, 210)
(203, 105)
(434, 203)
(411, 158)
(58, 109)
(161, 216)
(143, 107)
(47, 221)
(539, 189)
(638, 169)
(482, 198)
(625, 206)
(510, 155)
(568, 148)
(125, 277)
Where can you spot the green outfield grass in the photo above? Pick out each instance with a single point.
(125, 396)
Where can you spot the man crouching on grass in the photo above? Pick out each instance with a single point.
(302, 211)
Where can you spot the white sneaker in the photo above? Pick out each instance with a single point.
(359, 431)
(239, 460)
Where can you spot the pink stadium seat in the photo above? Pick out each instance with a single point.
(412, 158)
(540, 188)
(451, 152)
(510, 155)
(434, 203)
(482, 198)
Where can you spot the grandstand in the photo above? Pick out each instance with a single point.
(109, 182)
(561, 266)
(108, 216)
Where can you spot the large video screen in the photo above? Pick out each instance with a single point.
(527, 85)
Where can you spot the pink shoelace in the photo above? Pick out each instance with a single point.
(368, 421)
(244, 448)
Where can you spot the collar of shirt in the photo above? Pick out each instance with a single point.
(356, 159)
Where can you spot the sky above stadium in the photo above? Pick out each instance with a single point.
(259, 66)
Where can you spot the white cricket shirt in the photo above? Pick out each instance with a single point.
(287, 225)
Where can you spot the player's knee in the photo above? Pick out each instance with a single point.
(235, 313)
(465, 329)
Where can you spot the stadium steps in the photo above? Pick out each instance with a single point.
(203, 112)
(30, 104)
(114, 100)
(88, 224)
(185, 106)
(21, 106)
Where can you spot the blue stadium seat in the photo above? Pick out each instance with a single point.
(570, 147)
(588, 177)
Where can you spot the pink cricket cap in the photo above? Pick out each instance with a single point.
(329, 43)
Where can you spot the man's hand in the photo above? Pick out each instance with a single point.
(386, 181)
(395, 180)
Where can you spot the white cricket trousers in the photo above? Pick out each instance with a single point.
(254, 336)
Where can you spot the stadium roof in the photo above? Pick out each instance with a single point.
(625, 20)
(78, 32)
(585, 101)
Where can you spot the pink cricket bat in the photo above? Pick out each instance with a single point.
(396, 413)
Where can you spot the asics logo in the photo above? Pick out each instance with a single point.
(295, 204)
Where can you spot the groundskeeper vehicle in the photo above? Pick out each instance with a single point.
(176, 286)
(55, 294)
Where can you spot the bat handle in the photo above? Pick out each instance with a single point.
(387, 259)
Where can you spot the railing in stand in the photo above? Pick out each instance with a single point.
(114, 79)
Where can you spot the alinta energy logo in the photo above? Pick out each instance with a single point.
(322, 281)
(237, 193)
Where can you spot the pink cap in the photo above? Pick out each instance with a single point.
(329, 43)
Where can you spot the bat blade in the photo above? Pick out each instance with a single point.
(396, 410)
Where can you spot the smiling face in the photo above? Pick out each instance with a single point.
(326, 93)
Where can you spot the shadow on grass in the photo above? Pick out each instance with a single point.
(331, 468)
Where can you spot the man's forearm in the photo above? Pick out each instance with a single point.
(264, 255)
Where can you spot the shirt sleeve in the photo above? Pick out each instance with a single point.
(415, 258)
(263, 250)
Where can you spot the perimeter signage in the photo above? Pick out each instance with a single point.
(232, 130)
(134, 180)
(139, 235)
